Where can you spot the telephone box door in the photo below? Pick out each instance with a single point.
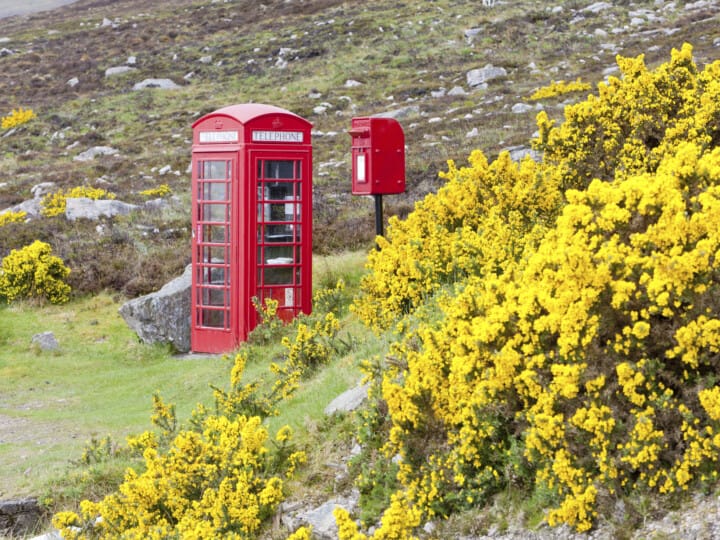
(283, 225)
(212, 299)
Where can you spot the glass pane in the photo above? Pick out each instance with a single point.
(214, 297)
(214, 212)
(298, 170)
(279, 169)
(278, 275)
(277, 255)
(214, 233)
(280, 212)
(214, 170)
(297, 233)
(276, 233)
(217, 275)
(213, 254)
(214, 191)
(279, 191)
(213, 317)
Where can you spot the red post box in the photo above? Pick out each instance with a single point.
(251, 219)
(378, 156)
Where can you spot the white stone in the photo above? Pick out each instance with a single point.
(92, 153)
(597, 7)
(83, 207)
(72, 83)
(163, 84)
(472, 133)
(118, 70)
(351, 83)
(521, 108)
(477, 77)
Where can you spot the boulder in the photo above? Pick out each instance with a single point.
(162, 84)
(348, 401)
(402, 112)
(45, 341)
(163, 316)
(478, 77)
(19, 516)
(92, 153)
(83, 207)
(118, 70)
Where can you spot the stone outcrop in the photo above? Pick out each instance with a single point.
(83, 207)
(163, 316)
(19, 517)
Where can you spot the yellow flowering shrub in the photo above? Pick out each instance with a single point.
(163, 190)
(12, 217)
(54, 204)
(558, 88)
(34, 272)
(17, 117)
(222, 476)
(477, 224)
(577, 355)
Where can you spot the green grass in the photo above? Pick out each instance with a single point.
(100, 382)
(102, 379)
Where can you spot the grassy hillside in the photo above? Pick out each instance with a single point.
(326, 60)
(300, 55)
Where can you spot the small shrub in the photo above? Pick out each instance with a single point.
(33, 272)
(559, 88)
(17, 117)
(163, 190)
(12, 217)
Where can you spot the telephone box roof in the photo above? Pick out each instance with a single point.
(247, 112)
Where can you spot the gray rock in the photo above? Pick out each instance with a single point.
(118, 70)
(72, 83)
(31, 208)
(162, 84)
(521, 108)
(518, 153)
(457, 91)
(597, 7)
(45, 341)
(348, 401)
(92, 153)
(477, 77)
(471, 33)
(83, 207)
(403, 112)
(6, 52)
(351, 83)
(19, 517)
(163, 316)
(321, 518)
(43, 188)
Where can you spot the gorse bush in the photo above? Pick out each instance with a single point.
(17, 117)
(34, 272)
(12, 217)
(576, 349)
(558, 88)
(54, 204)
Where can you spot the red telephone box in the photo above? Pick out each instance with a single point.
(251, 219)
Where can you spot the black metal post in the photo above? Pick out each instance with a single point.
(378, 215)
